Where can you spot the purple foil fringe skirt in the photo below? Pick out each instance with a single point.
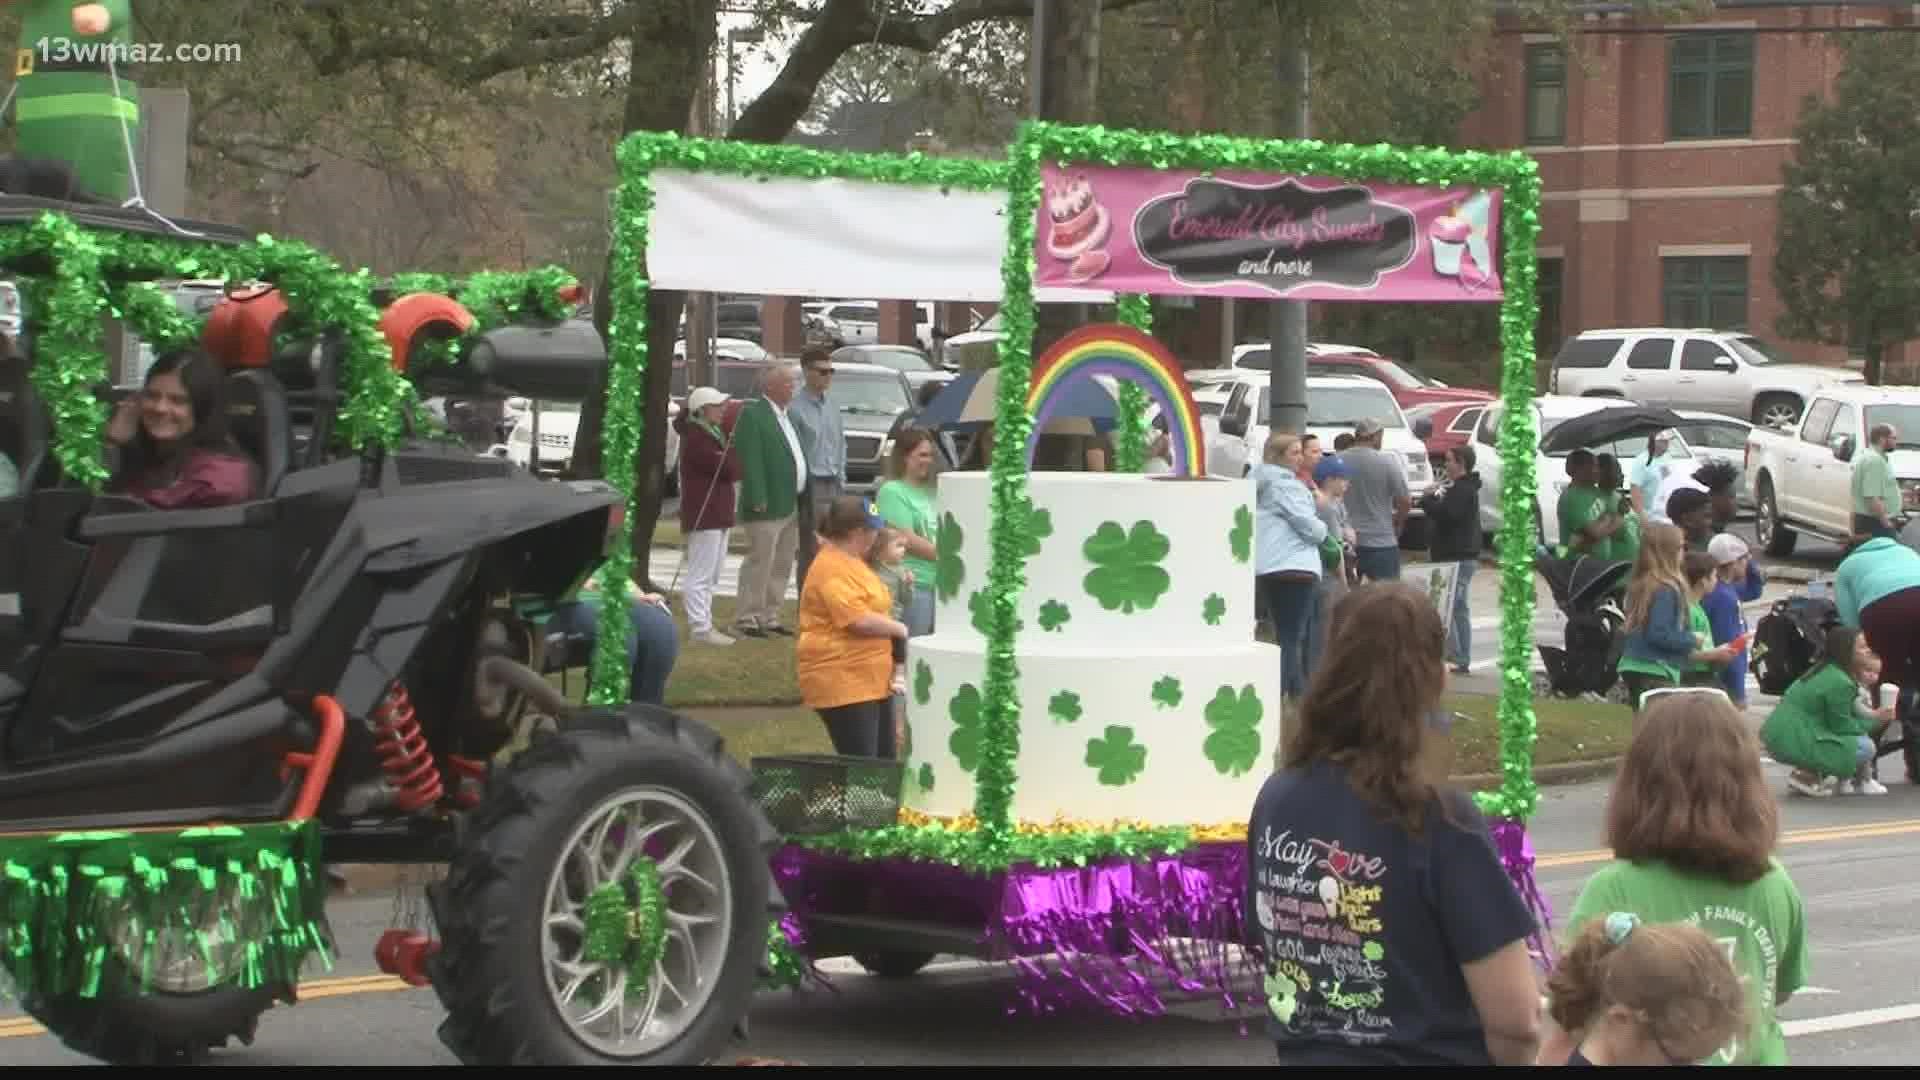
(1121, 935)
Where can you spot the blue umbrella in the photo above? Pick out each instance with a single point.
(969, 402)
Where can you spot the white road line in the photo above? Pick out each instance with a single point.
(1821, 1025)
(1805, 990)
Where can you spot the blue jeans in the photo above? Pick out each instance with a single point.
(1460, 625)
(1378, 563)
(919, 610)
(1290, 603)
(653, 643)
(1866, 750)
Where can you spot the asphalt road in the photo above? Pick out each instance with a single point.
(1851, 858)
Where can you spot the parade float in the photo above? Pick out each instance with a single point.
(1092, 718)
(201, 708)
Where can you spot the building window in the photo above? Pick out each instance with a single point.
(1710, 91)
(1548, 289)
(1546, 95)
(1708, 292)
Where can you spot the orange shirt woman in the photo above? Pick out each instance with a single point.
(845, 648)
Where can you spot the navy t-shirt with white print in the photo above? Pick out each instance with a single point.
(1363, 928)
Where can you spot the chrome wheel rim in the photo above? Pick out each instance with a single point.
(592, 998)
(198, 945)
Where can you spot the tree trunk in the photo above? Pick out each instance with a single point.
(674, 40)
(1876, 354)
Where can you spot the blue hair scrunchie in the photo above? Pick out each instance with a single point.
(1620, 925)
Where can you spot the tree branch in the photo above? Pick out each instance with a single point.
(536, 41)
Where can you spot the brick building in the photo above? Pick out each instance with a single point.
(1660, 148)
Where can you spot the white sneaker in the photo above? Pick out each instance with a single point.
(1812, 789)
(712, 637)
(1868, 786)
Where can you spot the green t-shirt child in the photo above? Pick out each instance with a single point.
(1702, 628)
(1762, 925)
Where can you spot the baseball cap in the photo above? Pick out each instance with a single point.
(1330, 468)
(1726, 549)
(704, 396)
(1367, 428)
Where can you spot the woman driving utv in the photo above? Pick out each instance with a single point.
(174, 448)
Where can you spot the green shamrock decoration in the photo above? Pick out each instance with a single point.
(964, 711)
(1127, 576)
(1119, 759)
(1166, 692)
(1064, 707)
(922, 682)
(1039, 527)
(1241, 537)
(926, 776)
(1281, 1000)
(1213, 608)
(1054, 615)
(626, 925)
(1373, 951)
(982, 610)
(949, 572)
(1235, 719)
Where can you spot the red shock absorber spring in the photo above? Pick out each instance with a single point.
(404, 754)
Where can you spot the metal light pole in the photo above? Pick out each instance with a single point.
(1287, 319)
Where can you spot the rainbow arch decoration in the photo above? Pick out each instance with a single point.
(1122, 352)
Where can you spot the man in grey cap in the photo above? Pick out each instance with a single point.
(1378, 502)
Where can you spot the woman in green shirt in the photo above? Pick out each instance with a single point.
(1693, 826)
(1821, 728)
(907, 502)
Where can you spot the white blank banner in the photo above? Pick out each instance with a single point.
(830, 238)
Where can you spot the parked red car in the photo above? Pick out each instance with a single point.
(1453, 425)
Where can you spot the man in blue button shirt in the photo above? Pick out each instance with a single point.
(817, 421)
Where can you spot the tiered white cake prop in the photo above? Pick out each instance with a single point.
(1143, 694)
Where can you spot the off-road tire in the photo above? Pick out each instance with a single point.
(489, 908)
(155, 1028)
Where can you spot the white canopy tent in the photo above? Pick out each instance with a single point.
(782, 236)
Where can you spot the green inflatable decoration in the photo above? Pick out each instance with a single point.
(64, 102)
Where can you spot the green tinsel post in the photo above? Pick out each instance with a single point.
(1130, 444)
(91, 913)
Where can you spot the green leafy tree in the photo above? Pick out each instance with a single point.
(964, 711)
(1054, 615)
(1127, 575)
(1234, 744)
(1119, 759)
(1064, 707)
(949, 572)
(1847, 254)
(1167, 693)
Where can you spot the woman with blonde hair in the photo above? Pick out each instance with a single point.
(1389, 931)
(1660, 645)
(1287, 532)
(1693, 826)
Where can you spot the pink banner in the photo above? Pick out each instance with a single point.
(1265, 237)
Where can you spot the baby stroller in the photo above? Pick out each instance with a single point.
(1587, 591)
(1788, 638)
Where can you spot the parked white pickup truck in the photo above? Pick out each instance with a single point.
(1801, 475)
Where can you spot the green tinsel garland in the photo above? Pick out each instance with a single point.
(68, 301)
(63, 896)
(960, 847)
(626, 925)
(1130, 447)
(494, 298)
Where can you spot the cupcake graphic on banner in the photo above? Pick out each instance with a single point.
(1079, 229)
(1459, 241)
